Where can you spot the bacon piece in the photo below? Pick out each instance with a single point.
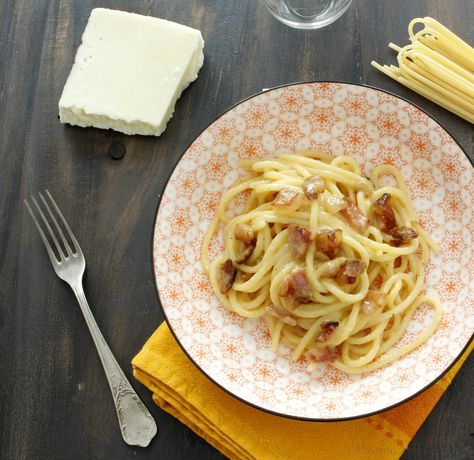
(288, 201)
(373, 300)
(334, 203)
(329, 327)
(287, 319)
(244, 232)
(354, 216)
(349, 271)
(354, 267)
(320, 355)
(402, 235)
(246, 253)
(397, 262)
(329, 241)
(299, 240)
(377, 282)
(227, 276)
(313, 186)
(296, 285)
(383, 213)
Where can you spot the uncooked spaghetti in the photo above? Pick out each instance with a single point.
(438, 65)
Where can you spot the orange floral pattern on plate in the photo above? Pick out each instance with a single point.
(375, 127)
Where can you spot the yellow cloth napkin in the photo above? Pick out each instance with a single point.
(242, 432)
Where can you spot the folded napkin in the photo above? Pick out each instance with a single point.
(242, 432)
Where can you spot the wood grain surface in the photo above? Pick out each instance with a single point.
(54, 400)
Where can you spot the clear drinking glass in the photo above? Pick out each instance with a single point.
(307, 14)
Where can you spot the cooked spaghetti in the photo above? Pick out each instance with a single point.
(333, 260)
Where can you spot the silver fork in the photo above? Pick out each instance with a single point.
(136, 423)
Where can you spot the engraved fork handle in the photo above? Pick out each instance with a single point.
(136, 423)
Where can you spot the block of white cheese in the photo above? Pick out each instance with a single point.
(129, 72)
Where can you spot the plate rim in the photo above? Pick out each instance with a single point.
(196, 365)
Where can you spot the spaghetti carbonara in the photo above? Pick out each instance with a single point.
(333, 260)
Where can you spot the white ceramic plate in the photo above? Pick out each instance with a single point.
(374, 127)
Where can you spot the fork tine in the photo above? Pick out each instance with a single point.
(69, 251)
(66, 225)
(49, 249)
(50, 230)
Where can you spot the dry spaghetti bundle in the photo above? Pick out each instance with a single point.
(438, 65)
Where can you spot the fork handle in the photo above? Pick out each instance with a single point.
(136, 423)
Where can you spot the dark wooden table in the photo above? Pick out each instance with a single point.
(54, 400)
